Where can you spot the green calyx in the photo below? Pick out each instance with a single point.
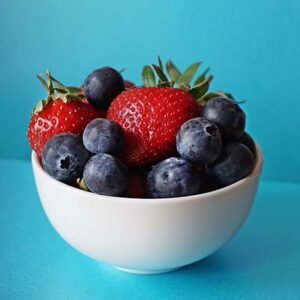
(169, 75)
(81, 184)
(56, 90)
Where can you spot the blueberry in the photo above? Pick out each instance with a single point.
(173, 177)
(234, 163)
(105, 175)
(103, 136)
(64, 157)
(102, 86)
(227, 115)
(248, 141)
(199, 140)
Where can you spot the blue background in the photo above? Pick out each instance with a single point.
(253, 48)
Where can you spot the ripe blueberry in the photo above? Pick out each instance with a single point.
(227, 115)
(248, 141)
(173, 177)
(103, 136)
(234, 163)
(199, 140)
(105, 175)
(64, 157)
(102, 86)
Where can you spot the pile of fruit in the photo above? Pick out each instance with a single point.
(167, 138)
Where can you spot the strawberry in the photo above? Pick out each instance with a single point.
(136, 185)
(64, 110)
(128, 84)
(150, 118)
(151, 115)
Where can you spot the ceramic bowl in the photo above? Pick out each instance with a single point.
(146, 236)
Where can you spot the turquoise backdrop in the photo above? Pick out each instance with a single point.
(253, 48)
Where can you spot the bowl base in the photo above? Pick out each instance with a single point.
(145, 272)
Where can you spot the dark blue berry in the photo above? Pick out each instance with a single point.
(103, 136)
(199, 140)
(248, 141)
(173, 177)
(64, 157)
(105, 175)
(234, 163)
(227, 115)
(102, 86)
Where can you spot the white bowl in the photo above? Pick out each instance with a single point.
(146, 236)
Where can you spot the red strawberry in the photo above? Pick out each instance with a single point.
(151, 115)
(129, 85)
(64, 110)
(136, 185)
(150, 118)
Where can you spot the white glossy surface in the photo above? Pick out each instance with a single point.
(146, 235)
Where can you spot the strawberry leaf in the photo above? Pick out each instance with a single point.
(56, 90)
(198, 91)
(74, 97)
(228, 95)
(56, 83)
(74, 89)
(186, 87)
(240, 102)
(39, 107)
(172, 71)
(161, 75)
(160, 64)
(43, 81)
(202, 77)
(148, 76)
(81, 184)
(63, 97)
(203, 100)
(61, 91)
(212, 95)
(49, 82)
(41, 104)
(187, 76)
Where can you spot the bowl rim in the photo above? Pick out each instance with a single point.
(36, 164)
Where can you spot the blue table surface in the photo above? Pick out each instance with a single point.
(261, 262)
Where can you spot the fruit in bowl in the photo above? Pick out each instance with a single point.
(160, 179)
